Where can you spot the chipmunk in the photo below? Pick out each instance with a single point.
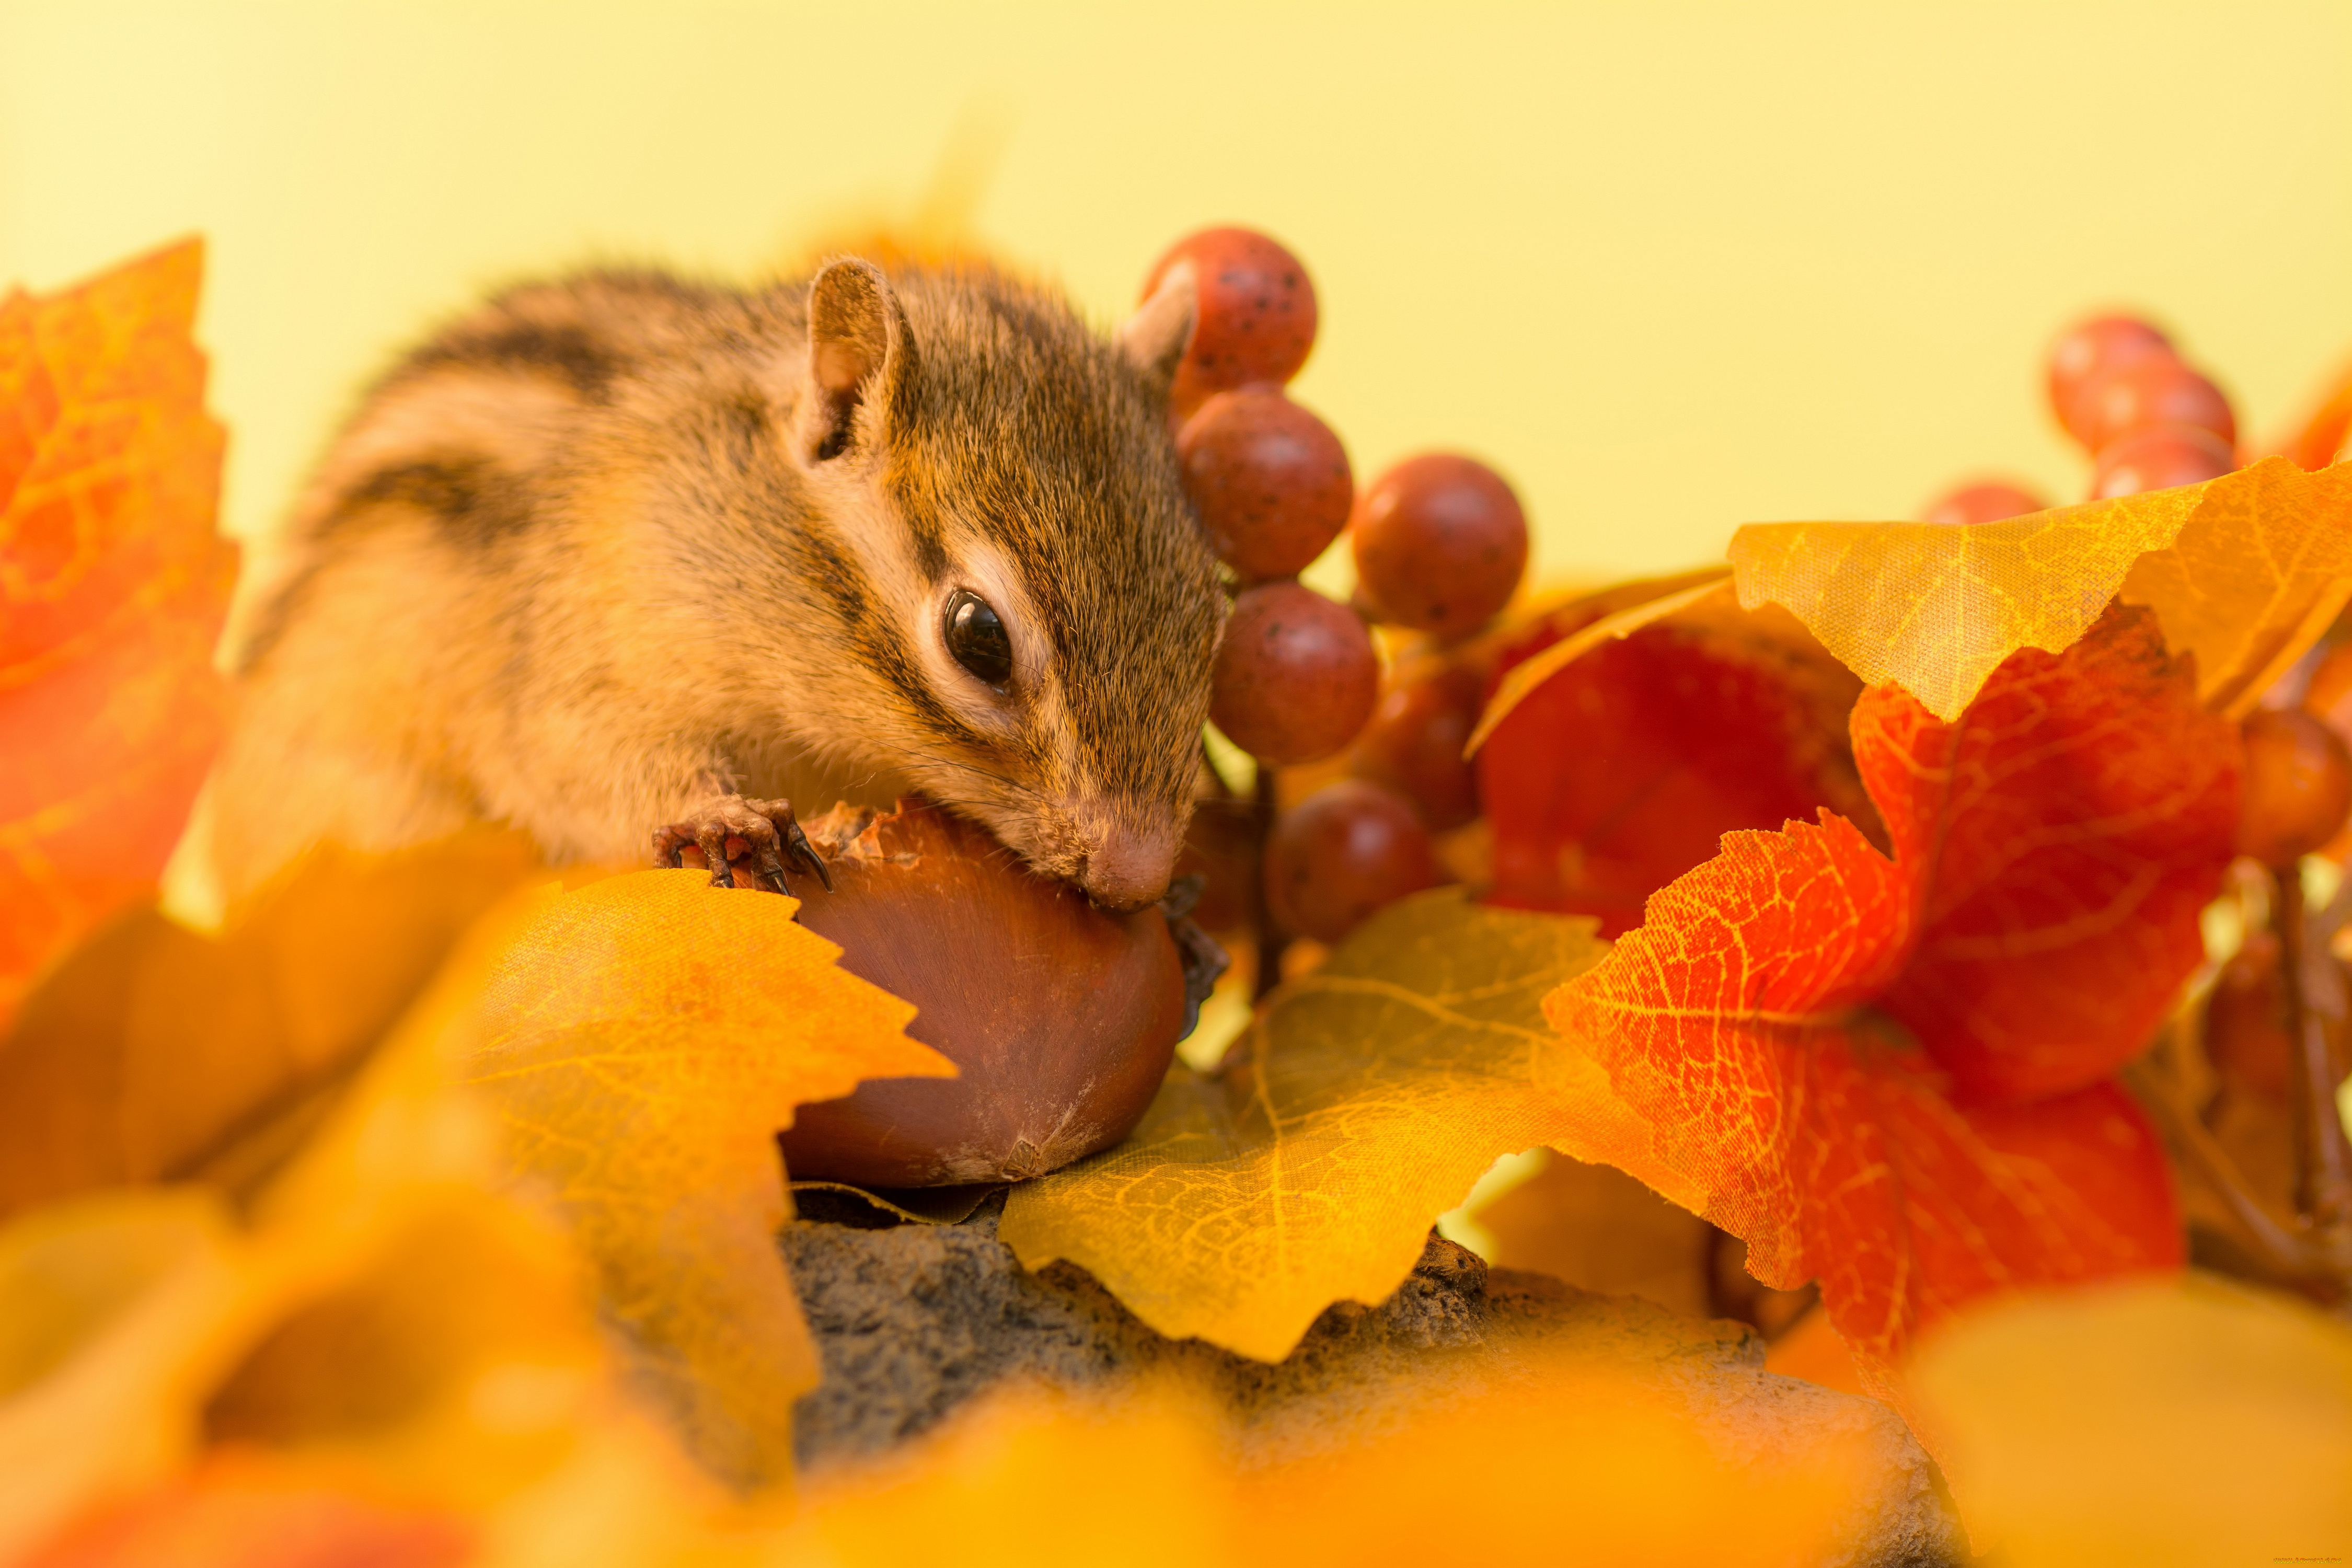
(624, 559)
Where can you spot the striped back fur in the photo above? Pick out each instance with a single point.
(611, 544)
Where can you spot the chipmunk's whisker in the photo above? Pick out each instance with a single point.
(1008, 781)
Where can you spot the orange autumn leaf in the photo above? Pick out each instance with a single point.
(1811, 1348)
(643, 1039)
(1622, 769)
(1890, 1075)
(113, 586)
(253, 1515)
(153, 1052)
(2245, 572)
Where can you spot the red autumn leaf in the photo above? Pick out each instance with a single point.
(1767, 1022)
(112, 588)
(1620, 771)
(2061, 839)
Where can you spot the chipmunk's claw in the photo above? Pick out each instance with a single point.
(797, 845)
(768, 832)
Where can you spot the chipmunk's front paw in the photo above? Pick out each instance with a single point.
(728, 827)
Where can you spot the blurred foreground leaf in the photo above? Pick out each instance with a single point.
(2152, 1424)
(390, 1357)
(156, 1052)
(1570, 1466)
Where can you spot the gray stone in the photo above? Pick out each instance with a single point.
(912, 1321)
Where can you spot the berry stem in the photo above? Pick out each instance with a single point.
(2323, 1158)
(2288, 1257)
(1270, 940)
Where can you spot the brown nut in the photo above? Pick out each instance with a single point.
(1061, 1016)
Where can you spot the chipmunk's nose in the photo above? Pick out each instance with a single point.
(1129, 868)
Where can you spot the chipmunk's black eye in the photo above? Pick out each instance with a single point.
(977, 639)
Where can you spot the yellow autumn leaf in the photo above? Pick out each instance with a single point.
(116, 1310)
(2244, 571)
(2258, 573)
(643, 1039)
(1372, 1096)
(156, 1052)
(1600, 1230)
(2145, 1425)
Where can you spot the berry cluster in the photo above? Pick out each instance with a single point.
(2149, 420)
(1440, 545)
(2296, 792)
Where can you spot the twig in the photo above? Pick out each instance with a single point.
(2323, 1160)
(1270, 940)
(2288, 1254)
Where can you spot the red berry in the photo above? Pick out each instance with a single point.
(1987, 502)
(1270, 481)
(2245, 1019)
(2158, 459)
(2154, 390)
(1440, 545)
(2091, 348)
(1294, 678)
(2297, 785)
(1413, 745)
(1342, 853)
(1257, 319)
(2246, 1034)
(2329, 695)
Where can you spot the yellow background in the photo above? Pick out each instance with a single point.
(1672, 267)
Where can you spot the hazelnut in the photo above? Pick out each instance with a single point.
(1061, 1016)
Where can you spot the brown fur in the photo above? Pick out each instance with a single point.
(612, 546)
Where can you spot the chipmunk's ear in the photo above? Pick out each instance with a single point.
(1155, 337)
(859, 352)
